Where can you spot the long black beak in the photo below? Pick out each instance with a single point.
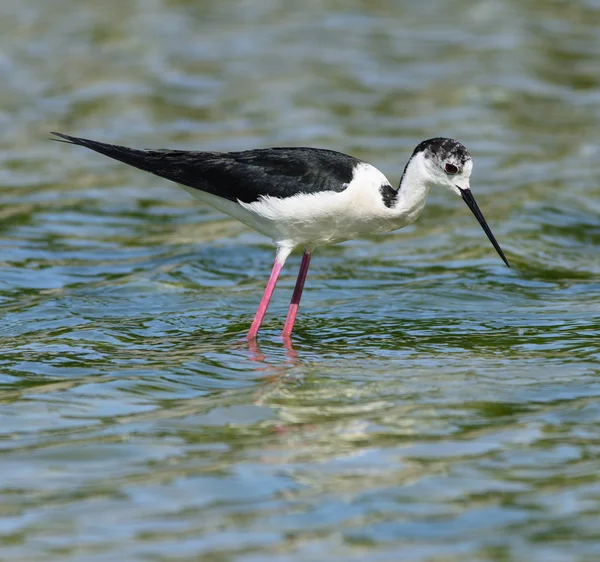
(472, 204)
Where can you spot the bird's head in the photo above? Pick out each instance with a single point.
(444, 162)
(447, 163)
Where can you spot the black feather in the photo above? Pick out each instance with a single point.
(443, 148)
(244, 176)
(389, 195)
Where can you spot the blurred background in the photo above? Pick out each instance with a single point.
(436, 406)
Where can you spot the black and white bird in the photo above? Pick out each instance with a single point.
(306, 197)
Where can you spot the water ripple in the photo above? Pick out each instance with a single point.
(434, 403)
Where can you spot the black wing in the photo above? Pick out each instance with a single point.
(247, 175)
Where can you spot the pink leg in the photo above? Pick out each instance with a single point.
(291, 317)
(264, 303)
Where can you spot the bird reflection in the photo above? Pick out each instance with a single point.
(273, 372)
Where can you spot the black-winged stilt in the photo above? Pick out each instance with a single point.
(306, 196)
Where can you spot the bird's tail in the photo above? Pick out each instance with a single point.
(142, 159)
(185, 167)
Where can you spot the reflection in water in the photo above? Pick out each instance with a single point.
(292, 360)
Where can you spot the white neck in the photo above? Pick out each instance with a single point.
(413, 190)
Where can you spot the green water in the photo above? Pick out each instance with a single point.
(436, 405)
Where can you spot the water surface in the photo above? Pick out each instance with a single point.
(435, 406)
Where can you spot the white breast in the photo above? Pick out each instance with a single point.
(317, 218)
(327, 217)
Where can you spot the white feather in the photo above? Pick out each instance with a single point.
(319, 218)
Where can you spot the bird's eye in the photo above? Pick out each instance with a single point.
(451, 169)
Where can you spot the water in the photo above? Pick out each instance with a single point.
(436, 406)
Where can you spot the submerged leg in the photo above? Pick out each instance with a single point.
(282, 254)
(293, 310)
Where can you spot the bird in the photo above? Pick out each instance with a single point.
(306, 197)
